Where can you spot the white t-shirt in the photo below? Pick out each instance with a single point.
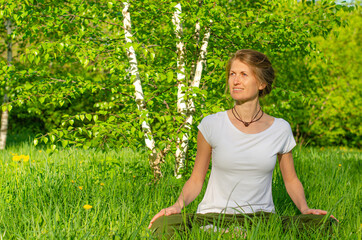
(242, 165)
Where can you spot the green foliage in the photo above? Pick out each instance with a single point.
(70, 67)
(335, 106)
(42, 199)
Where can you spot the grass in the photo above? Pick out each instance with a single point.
(43, 197)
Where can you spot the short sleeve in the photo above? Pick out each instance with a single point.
(205, 128)
(289, 141)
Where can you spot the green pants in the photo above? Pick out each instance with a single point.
(167, 226)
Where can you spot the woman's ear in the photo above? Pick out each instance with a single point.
(262, 86)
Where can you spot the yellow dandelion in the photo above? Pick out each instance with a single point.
(17, 158)
(33, 160)
(40, 151)
(72, 181)
(26, 158)
(134, 176)
(80, 187)
(339, 165)
(87, 207)
(102, 184)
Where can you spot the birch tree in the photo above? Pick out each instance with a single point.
(184, 106)
(181, 143)
(154, 158)
(5, 111)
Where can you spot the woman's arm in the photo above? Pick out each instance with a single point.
(294, 186)
(193, 186)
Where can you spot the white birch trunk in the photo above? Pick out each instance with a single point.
(5, 114)
(181, 144)
(197, 39)
(181, 103)
(149, 140)
(199, 67)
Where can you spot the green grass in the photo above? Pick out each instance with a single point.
(41, 198)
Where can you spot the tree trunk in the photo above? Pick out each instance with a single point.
(181, 148)
(5, 114)
(154, 158)
(199, 67)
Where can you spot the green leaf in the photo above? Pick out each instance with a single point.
(28, 86)
(46, 57)
(111, 118)
(64, 143)
(95, 118)
(89, 117)
(30, 58)
(37, 60)
(250, 13)
(169, 76)
(85, 63)
(86, 145)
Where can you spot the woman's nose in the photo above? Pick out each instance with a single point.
(237, 79)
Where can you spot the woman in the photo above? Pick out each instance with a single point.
(245, 143)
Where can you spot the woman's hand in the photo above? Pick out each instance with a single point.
(294, 186)
(174, 209)
(316, 212)
(193, 186)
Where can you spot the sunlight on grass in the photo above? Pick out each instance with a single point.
(91, 194)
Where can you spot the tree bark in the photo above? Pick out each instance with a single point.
(5, 114)
(154, 158)
(181, 148)
(182, 145)
(199, 67)
(181, 104)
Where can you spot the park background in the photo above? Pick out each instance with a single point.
(102, 100)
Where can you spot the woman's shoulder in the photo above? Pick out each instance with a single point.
(215, 116)
(282, 124)
(282, 121)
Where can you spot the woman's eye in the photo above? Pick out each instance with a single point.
(244, 74)
(232, 74)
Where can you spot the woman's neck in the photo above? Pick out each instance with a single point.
(247, 110)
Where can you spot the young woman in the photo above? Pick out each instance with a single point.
(244, 143)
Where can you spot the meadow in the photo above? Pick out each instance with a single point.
(90, 194)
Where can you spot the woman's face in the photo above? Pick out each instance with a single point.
(243, 84)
